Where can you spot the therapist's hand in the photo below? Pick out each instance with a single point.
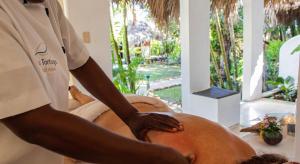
(141, 123)
(93, 78)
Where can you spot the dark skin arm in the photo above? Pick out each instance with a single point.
(56, 131)
(91, 76)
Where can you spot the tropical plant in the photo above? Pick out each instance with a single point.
(272, 58)
(222, 45)
(137, 51)
(125, 74)
(226, 37)
(172, 49)
(157, 48)
(287, 88)
(131, 75)
(172, 43)
(297, 49)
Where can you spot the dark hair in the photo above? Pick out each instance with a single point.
(266, 159)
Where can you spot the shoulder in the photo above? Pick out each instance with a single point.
(55, 8)
(53, 5)
(4, 16)
(5, 22)
(8, 31)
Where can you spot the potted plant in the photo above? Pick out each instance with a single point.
(271, 131)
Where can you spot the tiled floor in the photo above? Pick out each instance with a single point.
(253, 112)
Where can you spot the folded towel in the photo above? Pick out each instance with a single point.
(90, 111)
(94, 109)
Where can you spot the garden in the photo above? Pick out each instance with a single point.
(146, 47)
(143, 53)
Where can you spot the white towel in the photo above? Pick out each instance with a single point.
(90, 111)
(94, 109)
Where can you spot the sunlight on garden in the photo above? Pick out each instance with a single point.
(147, 56)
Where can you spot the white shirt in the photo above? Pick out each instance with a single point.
(34, 70)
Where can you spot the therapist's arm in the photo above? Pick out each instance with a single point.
(99, 85)
(74, 137)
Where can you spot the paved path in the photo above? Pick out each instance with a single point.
(165, 84)
(158, 85)
(161, 85)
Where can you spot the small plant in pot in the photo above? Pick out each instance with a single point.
(271, 131)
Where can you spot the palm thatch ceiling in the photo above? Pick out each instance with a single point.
(164, 11)
(283, 11)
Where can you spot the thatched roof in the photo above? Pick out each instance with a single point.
(228, 6)
(279, 11)
(283, 12)
(164, 11)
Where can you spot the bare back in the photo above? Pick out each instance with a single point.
(202, 140)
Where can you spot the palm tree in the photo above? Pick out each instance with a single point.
(223, 50)
(126, 78)
(213, 56)
(166, 11)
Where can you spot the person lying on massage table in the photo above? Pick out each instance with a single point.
(202, 141)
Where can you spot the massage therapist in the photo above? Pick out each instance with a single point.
(38, 48)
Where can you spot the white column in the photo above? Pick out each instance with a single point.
(253, 49)
(297, 152)
(195, 15)
(92, 18)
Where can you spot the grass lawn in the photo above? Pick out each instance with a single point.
(159, 72)
(172, 94)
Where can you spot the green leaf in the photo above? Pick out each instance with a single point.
(280, 80)
(290, 80)
(297, 49)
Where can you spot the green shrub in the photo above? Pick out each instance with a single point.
(137, 51)
(132, 77)
(156, 48)
(272, 57)
(288, 91)
(173, 50)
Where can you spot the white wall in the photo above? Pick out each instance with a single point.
(93, 16)
(253, 49)
(297, 154)
(195, 49)
(288, 63)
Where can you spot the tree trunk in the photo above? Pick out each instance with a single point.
(282, 33)
(116, 53)
(134, 14)
(132, 83)
(114, 44)
(125, 34)
(293, 29)
(223, 51)
(216, 66)
(233, 51)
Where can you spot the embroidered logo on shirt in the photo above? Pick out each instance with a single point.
(46, 62)
(43, 52)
